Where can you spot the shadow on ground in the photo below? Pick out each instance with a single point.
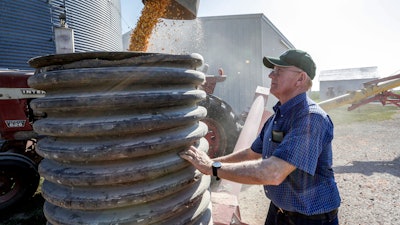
(370, 167)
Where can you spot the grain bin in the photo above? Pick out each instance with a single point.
(26, 28)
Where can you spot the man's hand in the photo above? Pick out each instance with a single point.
(251, 170)
(198, 159)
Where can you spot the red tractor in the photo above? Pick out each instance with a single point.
(19, 177)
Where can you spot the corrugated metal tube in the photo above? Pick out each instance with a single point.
(115, 124)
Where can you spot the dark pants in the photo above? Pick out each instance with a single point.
(277, 217)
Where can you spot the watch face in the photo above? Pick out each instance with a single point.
(216, 164)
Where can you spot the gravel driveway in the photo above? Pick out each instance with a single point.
(367, 167)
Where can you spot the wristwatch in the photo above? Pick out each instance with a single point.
(215, 167)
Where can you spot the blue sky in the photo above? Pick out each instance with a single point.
(337, 33)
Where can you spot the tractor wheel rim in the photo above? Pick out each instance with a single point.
(216, 138)
(9, 186)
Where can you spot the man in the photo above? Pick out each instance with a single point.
(292, 156)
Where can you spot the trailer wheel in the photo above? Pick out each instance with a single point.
(19, 179)
(223, 126)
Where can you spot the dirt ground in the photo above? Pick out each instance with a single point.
(367, 171)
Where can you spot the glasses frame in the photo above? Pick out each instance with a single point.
(278, 71)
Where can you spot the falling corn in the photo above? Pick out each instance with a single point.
(151, 13)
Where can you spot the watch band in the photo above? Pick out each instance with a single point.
(215, 171)
(215, 167)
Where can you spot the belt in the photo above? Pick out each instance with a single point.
(323, 216)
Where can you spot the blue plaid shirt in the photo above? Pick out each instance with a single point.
(300, 133)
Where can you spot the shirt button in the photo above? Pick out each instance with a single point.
(270, 139)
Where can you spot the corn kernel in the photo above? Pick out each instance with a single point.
(151, 13)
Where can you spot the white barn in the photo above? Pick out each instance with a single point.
(340, 81)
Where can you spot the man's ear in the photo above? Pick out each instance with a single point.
(302, 78)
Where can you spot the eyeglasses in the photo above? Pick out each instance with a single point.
(279, 71)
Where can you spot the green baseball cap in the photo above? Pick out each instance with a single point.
(293, 57)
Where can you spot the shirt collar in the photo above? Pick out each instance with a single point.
(289, 104)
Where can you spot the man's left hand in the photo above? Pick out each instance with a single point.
(198, 159)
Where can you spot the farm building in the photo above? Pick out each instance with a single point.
(340, 81)
(234, 43)
(27, 28)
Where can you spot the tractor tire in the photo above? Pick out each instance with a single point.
(19, 179)
(223, 126)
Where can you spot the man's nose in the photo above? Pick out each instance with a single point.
(271, 74)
